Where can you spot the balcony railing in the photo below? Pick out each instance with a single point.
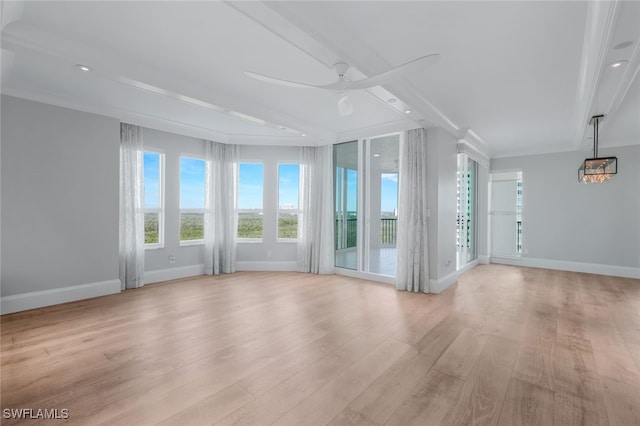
(346, 232)
(388, 231)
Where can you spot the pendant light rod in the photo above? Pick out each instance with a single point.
(595, 139)
(595, 121)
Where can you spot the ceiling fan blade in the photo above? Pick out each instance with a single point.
(394, 73)
(345, 107)
(278, 81)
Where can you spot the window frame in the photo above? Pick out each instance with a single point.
(203, 210)
(239, 210)
(160, 210)
(297, 211)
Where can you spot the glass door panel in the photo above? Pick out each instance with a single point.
(345, 163)
(381, 204)
(466, 238)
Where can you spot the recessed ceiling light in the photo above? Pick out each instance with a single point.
(407, 111)
(618, 63)
(304, 134)
(622, 45)
(391, 100)
(83, 67)
(376, 155)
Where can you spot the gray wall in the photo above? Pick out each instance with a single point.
(59, 197)
(441, 195)
(563, 219)
(483, 210)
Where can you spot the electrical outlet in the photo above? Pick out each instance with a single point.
(172, 259)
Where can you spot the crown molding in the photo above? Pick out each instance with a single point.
(555, 149)
(145, 120)
(599, 27)
(631, 72)
(464, 146)
(378, 129)
(274, 141)
(10, 11)
(28, 40)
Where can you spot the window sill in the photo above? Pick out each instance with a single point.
(191, 243)
(287, 240)
(153, 246)
(250, 240)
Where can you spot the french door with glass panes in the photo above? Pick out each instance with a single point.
(506, 214)
(366, 204)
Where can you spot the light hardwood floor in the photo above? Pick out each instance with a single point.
(505, 346)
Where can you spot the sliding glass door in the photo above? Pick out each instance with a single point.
(466, 236)
(381, 204)
(366, 204)
(345, 163)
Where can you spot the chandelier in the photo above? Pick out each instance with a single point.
(597, 169)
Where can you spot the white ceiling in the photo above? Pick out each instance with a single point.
(514, 77)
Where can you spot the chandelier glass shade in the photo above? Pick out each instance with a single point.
(597, 169)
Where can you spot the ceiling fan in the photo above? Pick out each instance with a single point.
(342, 85)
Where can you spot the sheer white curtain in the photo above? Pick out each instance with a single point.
(315, 224)
(131, 207)
(413, 256)
(220, 219)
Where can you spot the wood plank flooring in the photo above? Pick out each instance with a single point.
(505, 346)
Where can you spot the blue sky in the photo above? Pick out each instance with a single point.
(250, 186)
(288, 184)
(192, 176)
(388, 192)
(352, 190)
(151, 184)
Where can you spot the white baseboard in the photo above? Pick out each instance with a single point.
(437, 286)
(279, 266)
(366, 276)
(159, 275)
(39, 299)
(565, 265)
(468, 266)
(484, 259)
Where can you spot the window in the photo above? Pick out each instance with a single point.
(192, 179)
(153, 163)
(288, 195)
(250, 190)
